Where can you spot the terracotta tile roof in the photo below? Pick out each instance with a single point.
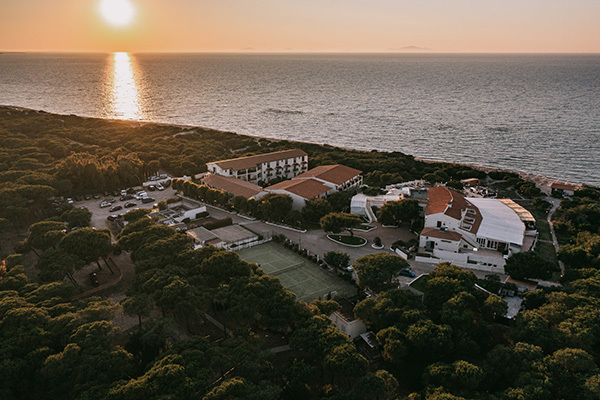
(564, 186)
(452, 204)
(437, 200)
(436, 233)
(336, 174)
(305, 188)
(232, 185)
(253, 161)
(525, 283)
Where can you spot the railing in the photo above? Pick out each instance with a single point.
(370, 213)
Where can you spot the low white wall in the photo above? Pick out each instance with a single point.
(460, 259)
(401, 254)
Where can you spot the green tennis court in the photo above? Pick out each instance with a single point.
(305, 279)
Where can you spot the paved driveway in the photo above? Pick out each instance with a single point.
(316, 242)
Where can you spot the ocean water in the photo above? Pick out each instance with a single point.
(538, 114)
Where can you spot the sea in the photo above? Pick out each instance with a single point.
(534, 113)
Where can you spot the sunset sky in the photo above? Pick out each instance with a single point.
(304, 25)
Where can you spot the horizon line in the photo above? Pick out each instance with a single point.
(291, 52)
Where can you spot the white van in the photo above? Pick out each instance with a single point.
(141, 195)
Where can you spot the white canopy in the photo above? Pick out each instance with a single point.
(500, 222)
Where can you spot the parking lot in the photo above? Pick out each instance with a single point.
(99, 214)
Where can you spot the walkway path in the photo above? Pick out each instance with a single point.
(555, 204)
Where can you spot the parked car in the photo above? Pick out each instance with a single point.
(69, 200)
(164, 176)
(87, 197)
(130, 204)
(96, 196)
(140, 195)
(123, 192)
(112, 217)
(115, 208)
(148, 200)
(151, 188)
(160, 187)
(408, 272)
(110, 201)
(105, 204)
(126, 197)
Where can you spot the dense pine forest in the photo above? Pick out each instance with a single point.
(451, 343)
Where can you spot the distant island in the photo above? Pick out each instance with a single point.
(410, 49)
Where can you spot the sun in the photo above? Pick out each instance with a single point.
(117, 12)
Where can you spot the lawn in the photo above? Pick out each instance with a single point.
(420, 283)
(349, 240)
(544, 246)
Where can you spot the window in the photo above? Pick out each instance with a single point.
(492, 244)
(439, 224)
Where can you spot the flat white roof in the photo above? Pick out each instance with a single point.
(500, 222)
(360, 200)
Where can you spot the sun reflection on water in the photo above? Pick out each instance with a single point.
(125, 100)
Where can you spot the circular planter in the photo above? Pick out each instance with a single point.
(377, 247)
(338, 239)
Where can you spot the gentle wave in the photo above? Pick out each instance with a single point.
(538, 114)
(285, 112)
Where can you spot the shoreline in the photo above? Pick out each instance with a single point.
(540, 180)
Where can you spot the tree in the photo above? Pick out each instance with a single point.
(494, 307)
(325, 307)
(460, 375)
(337, 259)
(134, 215)
(240, 388)
(316, 209)
(45, 234)
(77, 217)
(429, 340)
(222, 267)
(337, 222)
(139, 305)
(394, 343)
(240, 203)
(346, 361)
(460, 311)
(55, 264)
(377, 271)
(396, 212)
(340, 201)
(276, 206)
(528, 265)
(88, 244)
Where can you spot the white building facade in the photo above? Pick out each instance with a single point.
(263, 167)
(478, 233)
